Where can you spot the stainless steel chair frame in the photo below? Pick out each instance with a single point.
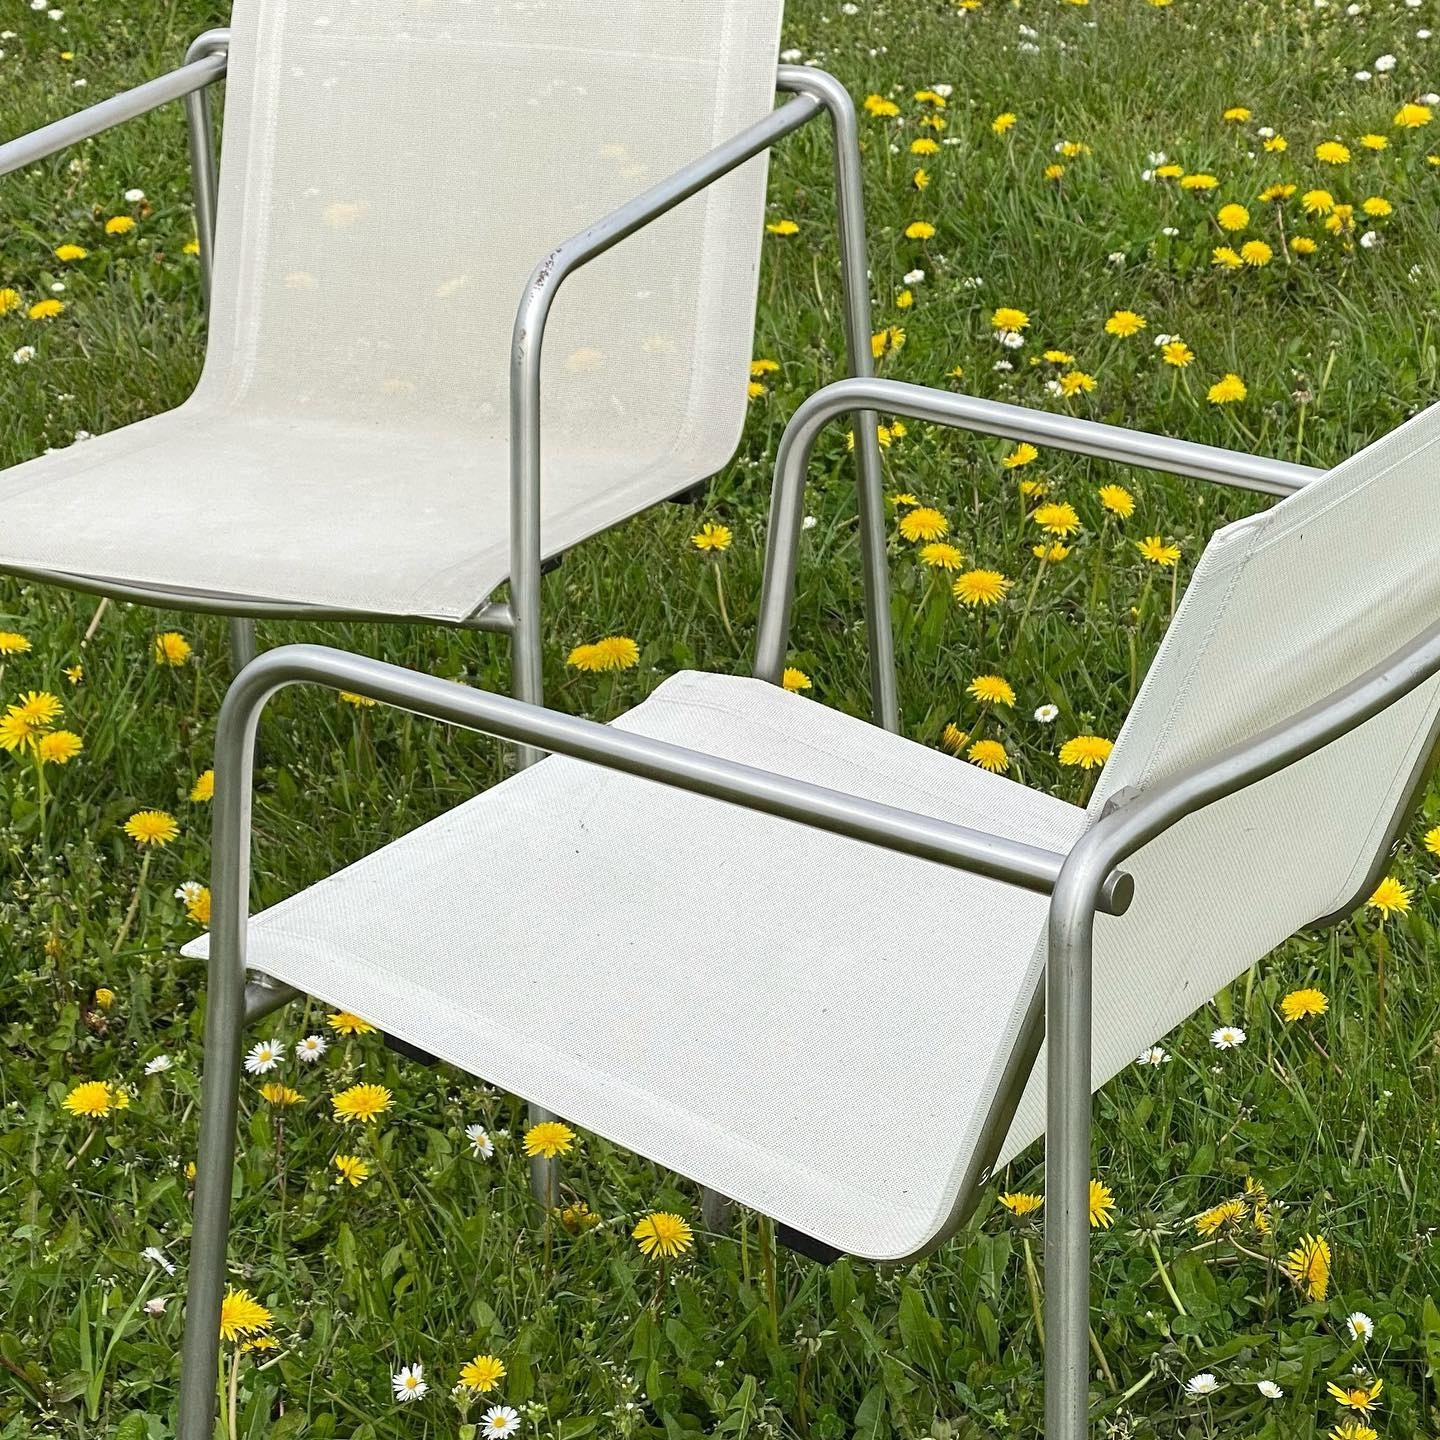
(1090, 879)
(519, 618)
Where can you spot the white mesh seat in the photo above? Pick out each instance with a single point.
(805, 1023)
(390, 176)
(817, 1027)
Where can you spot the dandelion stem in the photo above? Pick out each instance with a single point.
(720, 601)
(1032, 1283)
(134, 901)
(767, 1269)
(234, 1395)
(1101, 1360)
(1165, 1278)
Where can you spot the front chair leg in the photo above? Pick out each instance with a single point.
(1067, 1146)
(215, 1164)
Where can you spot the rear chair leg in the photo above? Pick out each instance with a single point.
(242, 644)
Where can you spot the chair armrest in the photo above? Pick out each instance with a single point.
(991, 417)
(887, 826)
(95, 119)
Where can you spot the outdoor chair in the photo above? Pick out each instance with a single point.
(366, 440)
(812, 968)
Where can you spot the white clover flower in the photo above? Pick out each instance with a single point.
(1046, 713)
(311, 1048)
(1157, 157)
(409, 1383)
(155, 1305)
(58, 288)
(1202, 1384)
(943, 90)
(134, 196)
(1227, 1037)
(809, 523)
(1170, 231)
(1002, 365)
(156, 1256)
(849, 8)
(1028, 47)
(482, 1147)
(1422, 34)
(1116, 257)
(1369, 240)
(791, 56)
(159, 1065)
(913, 277)
(1360, 1325)
(1028, 33)
(1362, 76)
(1154, 1056)
(24, 355)
(1430, 98)
(1269, 1389)
(1266, 132)
(1384, 63)
(1162, 339)
(264, 1057)
(1054, 387)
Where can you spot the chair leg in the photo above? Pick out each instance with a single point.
(215, 1165)
(242, 644)
(1067, 1160)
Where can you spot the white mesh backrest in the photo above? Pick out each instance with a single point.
(393, 170)
(1283, 609)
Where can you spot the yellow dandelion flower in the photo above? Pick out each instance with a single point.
(1004, 122)
(59, 747)
(1102, 1206)
(1362, 1398)
(1256, 253)
(762, 366)
(280, 1095)
(940, 556)
(119, 225)
(664, 1234)
(1021, 1203)
(360, 702)
(1303, 245)
(1117, 500)
(204, 787)
(1377, 207)
(1124, 323)
(1332, 152)
(615, 652)
(1086, 751)
(879, 106)
(242, 1315)
(991, 690)
(989, 755)
(1227, 390)
(12, 643)
(924, 145)
(1374, 142)
(352, 1170)
(152, 827)
(1432, 840)
(1023, 454)
(549, 1138)
(46, 309)
(1054, 172)
(1259, 1200)
(980, 587)
(197, 905)
(1353, 1430)
(1075, 381)
(1412, 117)
(1232, 217)
(1272, 193)
(1169, 172)
(953, 738)
(1390, 898)
(783, 227)
(1007, 318)
(1276, 145)
(1300, 1004)
(361, 1102)
(1217, 1217)
(1236, 115)
(795, 680)
(923, 523)
(919, 230)
(1317, 202)
(344, 1022)
(481, 1374)
(1198, 182)
(904, 300)
(886, 341)
(1051, 554)
(1056, 518)
(9, 300)
(172, 648)
(67, 254)
(1226, 257)
(1308, 1264)
(104, 997)
(93, 1098)
(712, 537)
(754, 390)
(1058, 357)
(1157, 551)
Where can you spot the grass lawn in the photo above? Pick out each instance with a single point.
(1087, 165)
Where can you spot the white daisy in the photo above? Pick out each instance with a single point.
(1227, 1037)
(1046, 713)
(481, 1145)
(1360, 1325)
(156, 1256)
(500, 1420)
(409, 1383)
(264, 1057)
(1203, 1384)
(189, 892)
(24, 355)
(159, 1065)
(1269, 1389)
(1153, 1056)
(311, 1048)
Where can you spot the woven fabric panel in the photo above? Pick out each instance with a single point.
(391, 174)
(1284, 608)
(807, 1023)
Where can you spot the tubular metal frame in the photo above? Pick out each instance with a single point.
(815, 90)
(1087, 881)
